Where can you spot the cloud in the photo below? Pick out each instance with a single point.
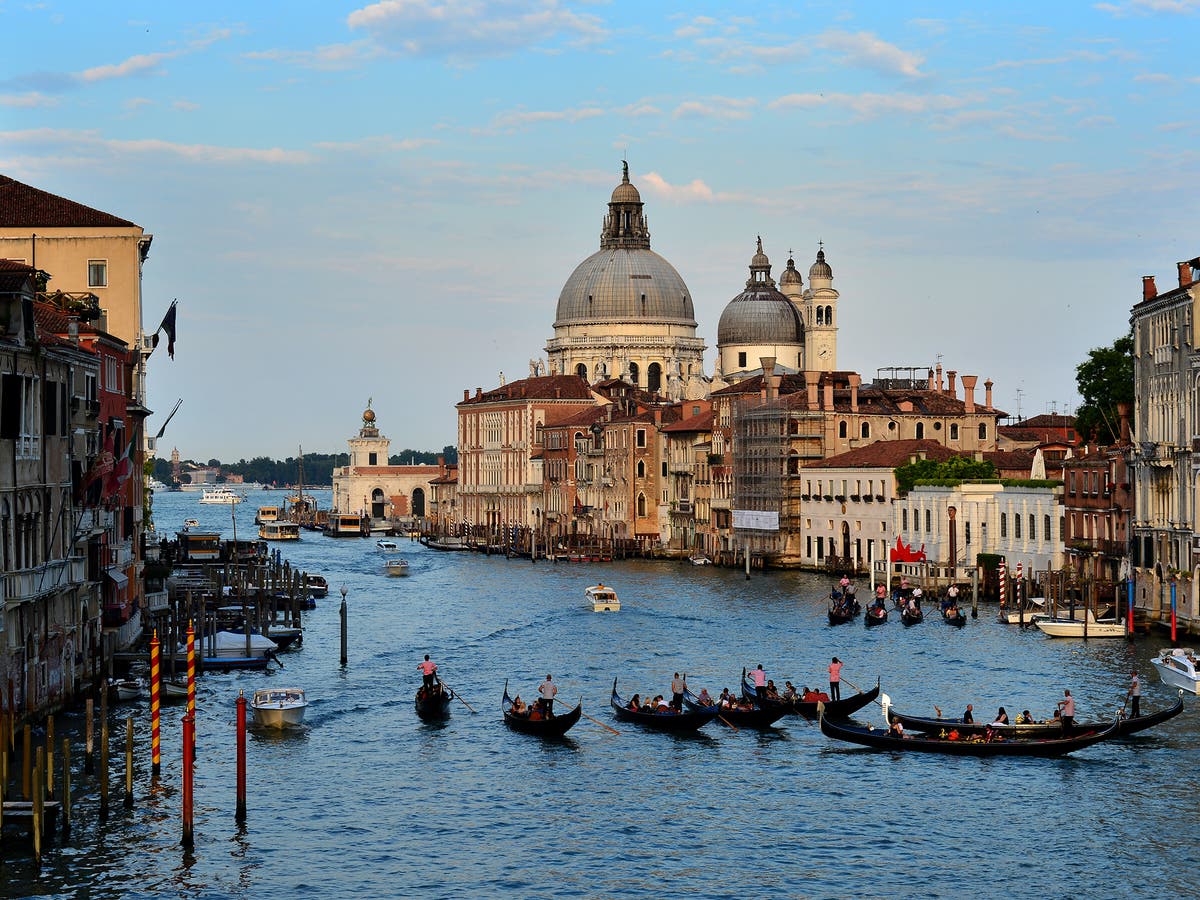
(521, 118)
(147, 62)
(135, 103)
(80, 142)
(873, 105)
(378, 144)
(867, 51)
(695, 190)
(715, 108)
(1149, 7)
(28, 100)
(471, 28)
(185, 105)
(330, 57)
(1153, 78)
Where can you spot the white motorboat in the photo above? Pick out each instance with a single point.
(385, 544)
(232, 645)
(191, 523)
(700, 560)
(279, 707)
(155, 485)
(220, 495)
(1034, 606)
(1178, 667)
(1088, 626)
(397, 566)
(602, 599)
(127, 690)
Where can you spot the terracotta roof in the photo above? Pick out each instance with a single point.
(702, 422)
(885, 455)
(578, 418)
(546, 387)
(788, 384)
(1010, 460)
(1050, 420)
(22, 206)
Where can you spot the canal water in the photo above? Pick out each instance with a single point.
(367, 801)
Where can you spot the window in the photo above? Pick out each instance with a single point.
(742, 359)
(928, 520)
(581, 371)
(1071, 483)
(634, 371)
(967, 533)
(664, 468)
(1045, 528)
(97, 273)
(641, 437)
(641, 506)
(904, 520)
(829, 315)
(920, 430)
(865, 430)
(1033, 528)
(372, 459)
(654, 377)
(983, 431)
(842, 428)
(641, 469)
(1017, 525)
(1003, 525)
(953, 431)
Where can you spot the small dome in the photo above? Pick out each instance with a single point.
(763, 316)
(759, 260)
(790, 275)
(625, 192)
(820, 269)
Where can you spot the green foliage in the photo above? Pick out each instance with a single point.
(1104, 379)
(318, 467)
(953, 471)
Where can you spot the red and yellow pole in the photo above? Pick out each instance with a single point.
(189, 735)
(155, 682)
(191, 663)
(240, 815)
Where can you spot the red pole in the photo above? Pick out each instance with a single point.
(1172, 610)
(155, 680)
(189, 728)
(241, 758)
(191, 663)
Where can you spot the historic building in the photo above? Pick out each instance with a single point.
(369, 486)
(760, 322)
(626, 313)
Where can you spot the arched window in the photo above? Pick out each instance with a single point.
(654, 377)
(983, 431)
(820, 315)
(641, 506)
(1045, 528)
(581, 371)
(842, 428)
(633, 372)
(920, 431)
(829, 315)
(865, 430)
(1003, 525)
(1032, 527)
(953, 431)
(641, 469)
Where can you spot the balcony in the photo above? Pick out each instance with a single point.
(46, 579)
(156, 600)
(721, 503)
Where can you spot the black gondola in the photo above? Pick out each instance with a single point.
(681, 721)
(843, 610)
(435, 704)
(883, 739)
(1125, 726)
(954, 616)
(875, 615)
(755, 717)
(555, 726)
(910, 615)
(838, 709)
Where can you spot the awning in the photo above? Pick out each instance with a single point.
(120, 579)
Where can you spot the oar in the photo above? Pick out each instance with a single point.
(860, 690)
(727, 722)
(456, 695)
(598, 722)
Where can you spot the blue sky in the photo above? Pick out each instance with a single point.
(384, 200)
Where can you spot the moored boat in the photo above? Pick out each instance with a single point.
(128, 689)
(279, 707)
(434, 704)
(664, 721)
(1178, 667)
(532, 722)
(1125, 725)
(396, 566)
(317, 585)
(231, 645)
(346, 525)
(1088, 626)
(700, 560)
(838, 709)
(748, 714)
(385, 544)
(279, 531)
(973, 745)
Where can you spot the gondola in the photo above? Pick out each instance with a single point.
(911, 616)
(555, 726)
(954, 616)
(679, 722)
(758, 717)
(1125, 726)
(882, 739)
(838, 709)
(435, 705)
(842, 611)
(875, 615)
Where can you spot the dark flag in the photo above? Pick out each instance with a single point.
(168, 325)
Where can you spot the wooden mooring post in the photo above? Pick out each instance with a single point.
(129, 762)
(104, 769)
(66, 786)
(89, 765)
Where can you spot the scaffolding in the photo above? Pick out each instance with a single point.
(760, 465)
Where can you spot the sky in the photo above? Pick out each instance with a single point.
(382, 201)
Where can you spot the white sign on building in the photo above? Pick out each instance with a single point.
(756, 520)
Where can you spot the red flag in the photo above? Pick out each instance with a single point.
(120, 471)
(167, 325)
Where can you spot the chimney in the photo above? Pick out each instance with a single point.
(658, 415)
(828, 398)
(855, 380)
(466, 394)
(969, 382)
(929, 381)
(1185, 274)
(770, 381)
(939, 378)
(951, 387)
(478, 392)
(1149, 291)
(987, 393)
(1123, 411)
(810, 384)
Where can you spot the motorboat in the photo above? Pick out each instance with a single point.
(602, 599)
(129, 689)
(345, 525)
(279, 531)
(155, 485)
(1088, 626)
(385, 544)
(700, 560)
(267, 514)
(191, 523)
(397, 566)
(1177, 666)
(172, 690)
(317, 585)
(231, 645)
(220, 495)
(279, 707)
(1034, 606)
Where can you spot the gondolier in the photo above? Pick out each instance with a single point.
(428, 669)
(1067, 707)
(677, 688)
(548, 689)
(760, 683)
(1135, 693)
(835, 679)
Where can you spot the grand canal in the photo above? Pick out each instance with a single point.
(367, 801)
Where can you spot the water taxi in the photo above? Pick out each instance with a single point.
(279, 531)
(602, 599)
(279, 708)
(220, 495)
(345, 525)
(1179, 668)
(385, 544)
(266, 514)
(397, 566)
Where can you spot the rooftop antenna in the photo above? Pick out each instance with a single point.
(1019, 393)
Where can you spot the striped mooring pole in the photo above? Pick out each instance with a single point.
(191, 664)
(1003, 583)
(155, 683)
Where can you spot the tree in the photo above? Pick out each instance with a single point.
(1104, 379)
(956, 469)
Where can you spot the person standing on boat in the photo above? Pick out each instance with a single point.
(1067, 707)
(677, 688)
(428, 669)
(835, 679)
(548, 689)
(760, 683)
(1135, 693)
(968, 716)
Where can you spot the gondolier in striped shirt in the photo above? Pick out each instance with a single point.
(548, 689)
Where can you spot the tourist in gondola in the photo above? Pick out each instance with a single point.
(518, 706)
(428, 669)
(772, 692)
(548, 689)
(760, 682)
(1001, 717)
(635, 702)
(835, 679)
(789, 692)
(897, 729)
(880, 595)
(724, 701)
(1025, 717)
(703, 698)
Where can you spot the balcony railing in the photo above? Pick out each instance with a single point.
(29, 584)
(156, 600)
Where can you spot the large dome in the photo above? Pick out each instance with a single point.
(628, 285)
